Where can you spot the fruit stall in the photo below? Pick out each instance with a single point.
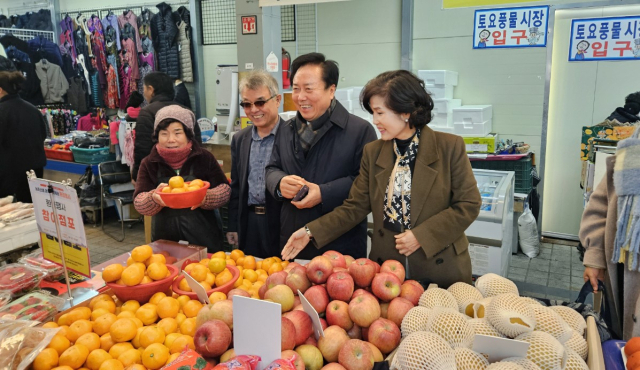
(335, 313)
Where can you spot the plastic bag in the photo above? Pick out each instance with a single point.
(528, 233)
(6, 200)
(284, 364)
(240, 363)
(20, 342)
(189, 359)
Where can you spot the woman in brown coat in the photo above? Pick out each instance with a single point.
(418, 184)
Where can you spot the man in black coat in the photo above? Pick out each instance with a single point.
(158, 91)
(254, 215)
(628, 113)
(320, 148)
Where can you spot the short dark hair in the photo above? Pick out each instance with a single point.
(330, 70)
(632, 103)
(165, 123)
(135, 100)
(11, 82)
(403, 92)
(161, 82)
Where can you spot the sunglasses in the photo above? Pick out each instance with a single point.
(258, 104)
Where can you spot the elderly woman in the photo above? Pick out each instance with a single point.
(176, 153)
(417, 182)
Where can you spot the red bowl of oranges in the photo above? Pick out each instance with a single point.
(180, 194)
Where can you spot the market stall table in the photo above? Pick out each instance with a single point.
(15, 236)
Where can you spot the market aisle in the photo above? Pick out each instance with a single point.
(102, 247)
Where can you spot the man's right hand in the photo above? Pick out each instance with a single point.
(232, 238)
(592, 275)
(290, 185)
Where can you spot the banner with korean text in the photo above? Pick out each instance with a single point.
(511, 27)
(450, 4)
(615, 38)
(74, 240)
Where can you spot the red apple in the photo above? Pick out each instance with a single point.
(319, 269)
(398, 308)
(337, 258)
(348, 259)
(364, 310)
(386, 286)
(277, 278)
(291, 265)
(212, 338)
(293, 356)
(337, 269)
(411, 290)
(395, 268)
(384, 310)
(296, 301)
(263, 289)
(338, 314)
(239, 292)
(362, 270)
(340, 286)
(365, 334)
(222, 310)
(323, 323)
(281, 294)
(355, 332)
(356, 355)
(317, 297)
(333, 366)
(360, 292)
(334, 338)
(299, 307)
(377, 355)
(288, 334)
(302, 323)
(384, 334)
(311, 340)
(297, 279)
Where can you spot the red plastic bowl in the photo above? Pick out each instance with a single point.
(184, 200)
(142, 293)
(235, 273)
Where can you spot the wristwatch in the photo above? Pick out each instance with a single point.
(308, 232)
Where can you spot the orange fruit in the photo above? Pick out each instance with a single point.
(230, 262)
(199, 272)
(180, 343)
(192, 308)
(263, 278)
(258, 265)
(150, 335)
(59, 343)
(193, 188)
(103, 323)
(131, 305)
(240, 262)
(183, 299)
(276, 267)
(217, 265)
(64, 330)
(98, 312)
(166, 189)
(247, 283)
(235, 254)
(112, 365)
(168, 340)
(136, 367)
(249, 262)
(169, 325)
(74, 356)
(106, 342)
(632, 346)
(50, 325)
(155, 356)
(96, 358)
(146, 280)
(110, 306)
(223, 277)
(217, 296)
(157, 298)
(180, 317)
(156, 258)
(89, 340)
(188, 326)
(204, 261)
(62, 368)
(178, 190)
(157, 271)
(112, 272)
(80, 313)
(172, 358)
(127, 314)
(238, 282)
(132, 275)
(197, 182)
(130, 261)
(184, 286)
(78, 328)
(137, 321)
(266, 263)
(633, 361)
(148, 314)
(206, 286)
(46, 360)
(130, 357)
(99, 298)
(211, 279)
(219, 254)
(123, 330)
(136, 341)
(250, 275)
(189, 267)
(120, 348)
(141, 253)
(176, 182)
(168, 307)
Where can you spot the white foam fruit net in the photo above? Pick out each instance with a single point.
(425, 351)
(524, 362)
(467, 359)
(452, 326)
(415, 320)
(544, 350)
(479, 308)
(504, 366)
(578, 344)
(437, 297)
(464, 293)
(483, 327)
(548, 321)
(575, 362)
(491, 285)
(510, 315)
(531, 301)
(571, 317)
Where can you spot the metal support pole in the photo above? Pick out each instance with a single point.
(198, 58)
(406, 43)
(64, 263)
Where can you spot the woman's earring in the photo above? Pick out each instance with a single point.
(406, 120)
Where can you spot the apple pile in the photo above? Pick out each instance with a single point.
(361, 305)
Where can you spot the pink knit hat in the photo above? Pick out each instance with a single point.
(177, 113)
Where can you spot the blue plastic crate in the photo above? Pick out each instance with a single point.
(92, 156)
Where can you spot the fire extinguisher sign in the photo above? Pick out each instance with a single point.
(249, 26)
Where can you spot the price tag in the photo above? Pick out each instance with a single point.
(196, 287)
(313, 314)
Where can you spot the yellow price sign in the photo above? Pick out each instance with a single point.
(448, 4)
(76, 256)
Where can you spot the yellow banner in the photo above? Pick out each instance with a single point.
(76, 256)
(448, 4)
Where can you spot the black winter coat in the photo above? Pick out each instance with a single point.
(623, 116)
(22, 134)
(333, 163)
(144, 130)
(164, 31)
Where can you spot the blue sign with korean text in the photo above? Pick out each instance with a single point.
(511, 27)
(615, 38)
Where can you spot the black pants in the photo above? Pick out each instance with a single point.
(257, 235)
(16, 184)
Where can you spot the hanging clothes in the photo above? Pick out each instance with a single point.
(80, 42)
(67, 66)
(30, 91)
(127, 83)
(165, 32)
(144, 23)
(129, 55)
(128, 17)
(113, 60)
(16, 55)
(90, 122)
(112, 88)
(145, 69)
(147, 58)
(81, 23)
(147, 45)
(83, 69)
(53, 83)
(96, 96)
(112, 21)
(42, 48)
(184, 45)
(76, 95)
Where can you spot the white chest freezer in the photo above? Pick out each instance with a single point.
(491, 235)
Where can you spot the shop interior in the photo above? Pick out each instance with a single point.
(535, 123)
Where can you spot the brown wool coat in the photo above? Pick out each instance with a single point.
(597, 234)
(445, 200)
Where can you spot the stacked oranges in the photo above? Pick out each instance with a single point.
(143, 266)
(177, 185)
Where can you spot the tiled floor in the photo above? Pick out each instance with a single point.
(556, 273)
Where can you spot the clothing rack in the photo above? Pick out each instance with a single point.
(104, 11)
(54, 106)
(27, 35)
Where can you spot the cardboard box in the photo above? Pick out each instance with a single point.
(472, 114)
(485, 144)
(488, 258)
(438, 77)
(472, 128)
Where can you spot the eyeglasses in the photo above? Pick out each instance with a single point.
(258, 104)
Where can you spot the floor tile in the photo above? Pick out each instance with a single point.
(517, 270)
(519, 263)
(562, 284)
(517, 277)
(533, 294)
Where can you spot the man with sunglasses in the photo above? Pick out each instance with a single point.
(254, 215)
(321, 149)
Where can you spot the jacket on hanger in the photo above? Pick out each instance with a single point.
(131, 19)
(31, 90)
(165, 33)
(184, 42)
(53, 83)
(76, 95)
(42, 48)
(112, 20)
